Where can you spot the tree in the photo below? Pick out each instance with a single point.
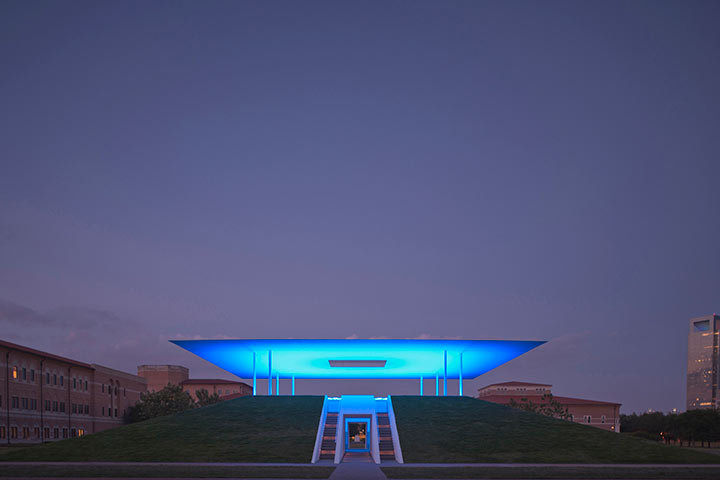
(691, 426)
(167, 401)
(204, 398)
(703, 425)
(548, 406)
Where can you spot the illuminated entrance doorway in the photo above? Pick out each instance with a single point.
(357, 434)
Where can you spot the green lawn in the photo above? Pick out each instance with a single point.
(249, 429)
(5, 450)
(559, 473)
(462, 429)
(432, 429)
(164, 471)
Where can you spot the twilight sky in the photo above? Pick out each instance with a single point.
(478, 170)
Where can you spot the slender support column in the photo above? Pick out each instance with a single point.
(277, 385)
(445, 374)
(269, 372)
(293, 385)
(460, 391)
(254, 374)
(421, 385)
(437, 384)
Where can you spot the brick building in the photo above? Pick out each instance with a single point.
(216, 385)
(159, 376)
(46, 397)
(605, 415)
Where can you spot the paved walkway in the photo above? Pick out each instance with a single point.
(180, 464)
(362, 469)
(384, 464)
(560, 465)
(358, 471)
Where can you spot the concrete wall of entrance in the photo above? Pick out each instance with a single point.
(358, 406)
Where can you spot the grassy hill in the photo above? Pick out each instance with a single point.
(249, 429)
(432, 429)
(462, 429)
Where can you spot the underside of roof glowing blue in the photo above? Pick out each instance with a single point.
(305, 358)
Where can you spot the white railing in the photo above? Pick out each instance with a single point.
(393, 430)
(375, 440)
(340, 438)
(321, 429)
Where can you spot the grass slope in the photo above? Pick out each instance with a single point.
(249, 429)
(90, 470)
(556, 473)
(462, 429)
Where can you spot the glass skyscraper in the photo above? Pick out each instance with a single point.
(702, 371)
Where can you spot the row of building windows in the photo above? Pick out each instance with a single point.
(25, 403)
(109, 412)
(16, 374)
(521, 389)
(113, 391)
(81, 409)
(77, 408)
(21, 403)
(54, 406)
(55, 379)
(24, 374)
(26, 433)
(588, 418)
(78, 384)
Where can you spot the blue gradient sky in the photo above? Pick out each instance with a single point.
(477, 170)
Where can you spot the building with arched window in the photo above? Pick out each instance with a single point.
(596, 413)
(46, 397)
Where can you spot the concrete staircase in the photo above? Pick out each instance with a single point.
(387, 451)
(327, 448)
(384, 443)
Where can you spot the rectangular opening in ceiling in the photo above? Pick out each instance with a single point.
(358, 363)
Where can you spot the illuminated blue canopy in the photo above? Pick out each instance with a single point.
(305, 358)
